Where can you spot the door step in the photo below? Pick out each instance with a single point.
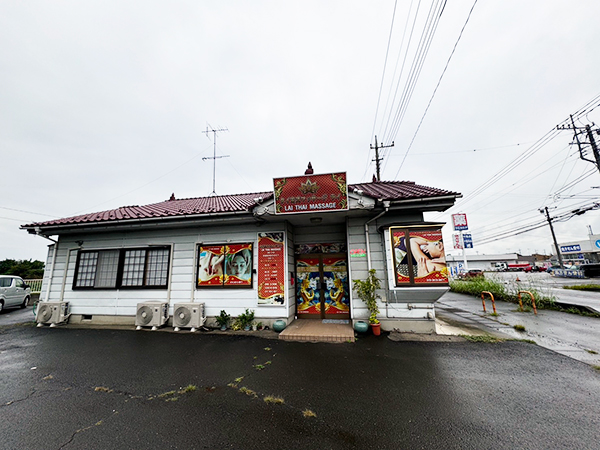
(307, 330)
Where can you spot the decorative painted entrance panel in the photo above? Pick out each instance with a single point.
(308, 295)
(335, 278)
(322, 286)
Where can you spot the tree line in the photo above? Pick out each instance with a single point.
(27, 269)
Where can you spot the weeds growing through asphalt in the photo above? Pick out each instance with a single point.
(482, 339)
(519, 328)
(274, 400)
(308, 413)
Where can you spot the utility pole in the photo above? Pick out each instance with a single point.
(560, 261)
(377, 158)
(214, 156)
(592, 142)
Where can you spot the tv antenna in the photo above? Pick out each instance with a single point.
(214, 157)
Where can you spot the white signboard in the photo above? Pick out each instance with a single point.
(460, 222)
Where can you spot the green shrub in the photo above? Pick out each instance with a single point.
(502, 291)
(584, 287)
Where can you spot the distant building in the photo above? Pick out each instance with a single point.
(482, 262)
(584, 251)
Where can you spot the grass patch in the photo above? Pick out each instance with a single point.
(259, 366)
(232, 385)
(520, 328)
(527, 341)
(493, 314)
(597, 368)
(238, 379)
(188, 388)
(172, 399)
(267, 349)
(248, 392)
(166, 394)
(584, 287)
(482, 339)
(592, 352)
(274, 400)
(308, 413)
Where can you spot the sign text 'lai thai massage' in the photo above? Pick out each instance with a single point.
(311, 193)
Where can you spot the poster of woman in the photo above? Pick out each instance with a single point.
(238, 265)
(423, 260)
(427, 249)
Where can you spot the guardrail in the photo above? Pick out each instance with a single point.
(35, 285)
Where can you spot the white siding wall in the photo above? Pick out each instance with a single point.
(181, 278)
(359, 266)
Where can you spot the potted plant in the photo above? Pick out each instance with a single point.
(366, 291)
(223, 319)
(244, 320)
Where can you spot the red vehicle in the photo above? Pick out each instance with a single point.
(525, 267)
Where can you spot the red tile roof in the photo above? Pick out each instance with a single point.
(384, 190)
(399, 190)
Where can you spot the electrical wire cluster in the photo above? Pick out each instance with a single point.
(407, 71)
(556, 198)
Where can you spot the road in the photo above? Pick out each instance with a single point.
(66, 388)
(569, 334)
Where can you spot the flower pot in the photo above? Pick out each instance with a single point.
(376, 327)
(254, 328)
(223, 327)
(247, 328)
(361, 327)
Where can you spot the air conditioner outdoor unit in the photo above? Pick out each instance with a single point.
(188, 315)
(151, 314)
(51, 313)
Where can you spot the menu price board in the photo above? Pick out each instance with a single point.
(271, 268)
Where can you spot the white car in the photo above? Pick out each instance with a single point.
(13, 292)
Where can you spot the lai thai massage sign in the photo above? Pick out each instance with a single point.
(311, 193)
(271, 268)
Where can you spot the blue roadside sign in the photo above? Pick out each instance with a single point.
(467, 240)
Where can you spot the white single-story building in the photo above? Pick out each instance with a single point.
(288, 254)
(456, 263)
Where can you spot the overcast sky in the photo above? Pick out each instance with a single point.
(104, 104)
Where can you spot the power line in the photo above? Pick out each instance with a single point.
(435, 13)
(435, 90)
(27, 212)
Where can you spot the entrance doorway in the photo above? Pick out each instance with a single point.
(322, 290)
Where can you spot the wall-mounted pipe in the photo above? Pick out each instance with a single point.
(386, 205)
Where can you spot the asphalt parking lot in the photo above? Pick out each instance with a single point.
(66, 388)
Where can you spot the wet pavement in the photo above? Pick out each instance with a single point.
(572, 335)
(65, 388)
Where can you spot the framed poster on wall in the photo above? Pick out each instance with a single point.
(227, 265)
(419, 256)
